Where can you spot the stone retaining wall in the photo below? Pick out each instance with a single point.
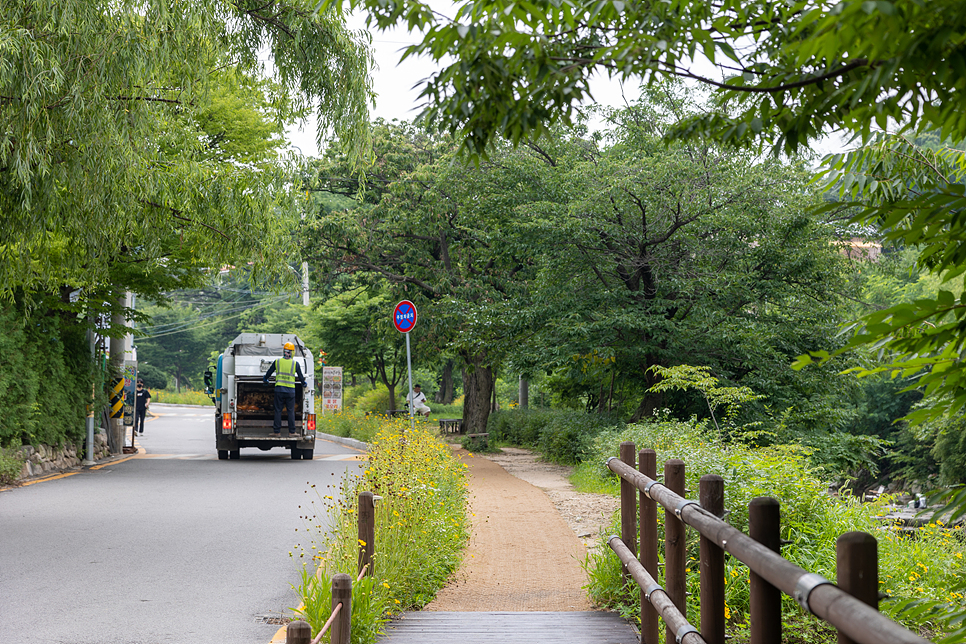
(43, 459)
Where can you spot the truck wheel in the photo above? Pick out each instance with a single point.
(296, 453)
(234, 454)
(223, 455)
(307, 454)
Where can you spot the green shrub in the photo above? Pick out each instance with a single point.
(351, 393)
(562, 435)
(153, 377)
(518, 426)
(11, 463)
(842, 455)
(375, 400)
(479, 444)
(927, 567)
(47, 404)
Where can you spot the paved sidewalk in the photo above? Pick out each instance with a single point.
(522, 555)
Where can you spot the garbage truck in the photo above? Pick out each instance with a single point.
(245, 406)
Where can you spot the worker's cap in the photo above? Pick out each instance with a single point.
(288, 346)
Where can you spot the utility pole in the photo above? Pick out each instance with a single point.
(305, 283)
(116, 435)
(89, 460)
(123, 362)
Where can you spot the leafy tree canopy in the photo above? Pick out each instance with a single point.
(619, 248)
(792, 72)
(657, 255)
(792, 69)
(138, 147)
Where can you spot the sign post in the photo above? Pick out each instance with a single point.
(404, 319)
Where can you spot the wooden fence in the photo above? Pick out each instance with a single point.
(851, 606)
(340, 621)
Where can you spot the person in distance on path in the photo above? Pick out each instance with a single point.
(287, 372)
(418, 401)
(142, 400)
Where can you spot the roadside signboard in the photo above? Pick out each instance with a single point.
(331, 389)
(404, 317)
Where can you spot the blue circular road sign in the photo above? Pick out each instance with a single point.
(404, 317)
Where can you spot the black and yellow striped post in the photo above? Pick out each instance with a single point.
(117, 399)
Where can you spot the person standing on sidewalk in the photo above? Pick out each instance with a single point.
(142, 400)
(287, 372)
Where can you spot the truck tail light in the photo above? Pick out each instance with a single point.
(226, 422)
(311, 423)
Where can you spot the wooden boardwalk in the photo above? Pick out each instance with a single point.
(430, 627)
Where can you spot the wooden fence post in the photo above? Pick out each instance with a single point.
(675, 545)
(628, 455)
(367, 531)
(765, 601)
(711, 495)
(857, 570)
(649, 619)
(342, 594)
(298, 632)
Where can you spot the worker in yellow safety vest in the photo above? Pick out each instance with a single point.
(287, 373)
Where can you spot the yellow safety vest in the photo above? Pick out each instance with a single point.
(285, 373)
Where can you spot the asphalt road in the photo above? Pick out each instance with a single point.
(171, 546)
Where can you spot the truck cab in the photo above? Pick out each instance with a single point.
(245, 406)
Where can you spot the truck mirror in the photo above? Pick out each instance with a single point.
(208, 379)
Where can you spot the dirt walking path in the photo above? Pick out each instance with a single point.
(524, 553)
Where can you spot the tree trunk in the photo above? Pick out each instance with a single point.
(651, 401)
(390, 383)
(477, 389)
(445, 394)
(649, 404)
(524, 396)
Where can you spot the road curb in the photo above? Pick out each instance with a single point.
(342, 440)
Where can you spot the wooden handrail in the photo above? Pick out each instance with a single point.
(684, 632)
(814, 593)
(325, 627)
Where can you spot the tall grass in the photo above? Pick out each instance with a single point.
(927, 566)
(350, 424)
(365, 426)
(421, 527)
(184, 397)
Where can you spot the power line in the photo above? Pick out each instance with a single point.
(204, 315)
(193, 323)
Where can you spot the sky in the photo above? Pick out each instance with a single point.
(396, 84)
